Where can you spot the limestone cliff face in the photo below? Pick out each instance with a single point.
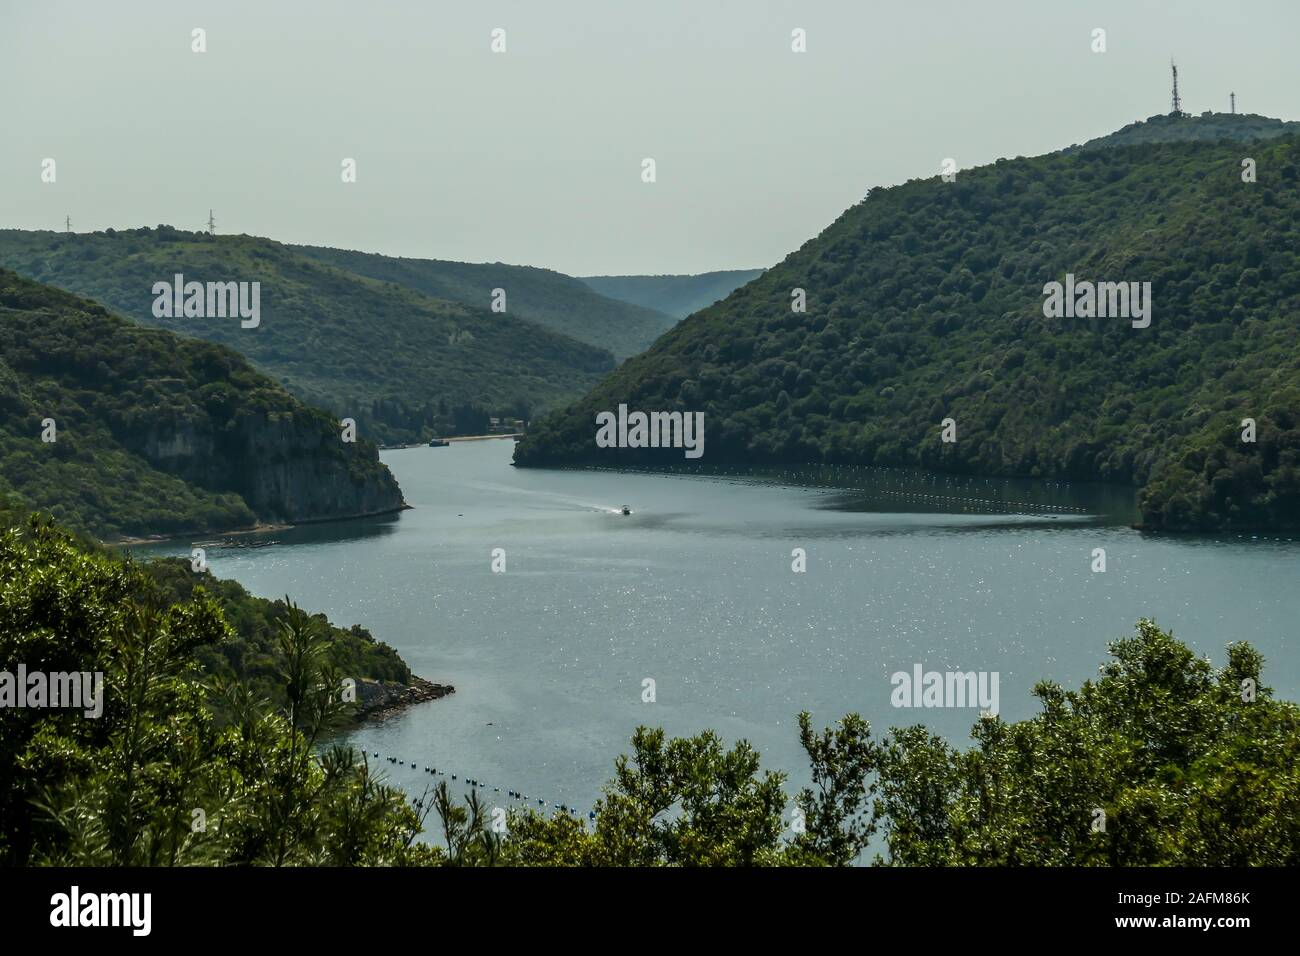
(158, 434)
(288, 465)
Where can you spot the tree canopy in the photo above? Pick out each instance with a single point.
(1162, 760)
(925, 303)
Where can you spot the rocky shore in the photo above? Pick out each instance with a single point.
(380, 698)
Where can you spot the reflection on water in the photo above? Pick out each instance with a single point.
(913, 491)
(695, 590)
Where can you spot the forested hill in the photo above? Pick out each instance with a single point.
(678, 296)
(926, 302)
(559, 302)
(119, 430)
(404, 365)
(1208, 127)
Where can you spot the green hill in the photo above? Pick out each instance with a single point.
(561, 303)
(678, 296)
(1208, 127)
(159, 434)
(403, 365)
(926, 302)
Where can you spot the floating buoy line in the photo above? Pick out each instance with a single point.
(478, 785)
(846, 478)
(841, 478)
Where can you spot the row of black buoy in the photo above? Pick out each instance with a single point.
(995, 503)
(906, 485)
(514, 794)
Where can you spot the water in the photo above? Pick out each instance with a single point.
(695, 591)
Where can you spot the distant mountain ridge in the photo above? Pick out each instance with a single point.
(404, 365)
(559, 302)
(925, 305)
(152, 433)
(678, 295)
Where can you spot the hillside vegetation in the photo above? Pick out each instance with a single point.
(926, 302)
(1182, 763)
(209, 699)
(251, 655)
(678, 296)
(1206, 128)
(403, 365)
(153, 433)
(561, 303)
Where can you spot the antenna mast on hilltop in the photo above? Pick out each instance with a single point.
(1178, 103)
(1232, 99)
(212, 224)
(67, 224)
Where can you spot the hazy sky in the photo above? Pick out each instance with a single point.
(533, 156)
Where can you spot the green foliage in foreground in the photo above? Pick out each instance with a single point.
(925, 302)
(1187, 765)
(251, 654)
(1162, 749)
(123, 789)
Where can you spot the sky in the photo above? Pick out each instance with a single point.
(534, 155)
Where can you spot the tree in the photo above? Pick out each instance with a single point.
(157, 779)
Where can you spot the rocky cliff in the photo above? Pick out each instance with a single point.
(289, 465)
(121, 430)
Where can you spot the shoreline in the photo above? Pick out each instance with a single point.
(379, 699)
(162, 538)
(457, 438)
(260, 528)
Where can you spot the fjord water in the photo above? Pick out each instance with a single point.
(694, 590)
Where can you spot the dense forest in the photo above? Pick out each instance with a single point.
(925, 302)
(250, 654)
(678, 296)
(1208, 127)
(212, 701)
(561, 303)
(354, 346)
(120, 430)
(1163, 760)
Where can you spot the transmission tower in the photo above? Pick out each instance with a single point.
(67, 224)
(212, 224)
(1232, 99)
(1178, 103)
